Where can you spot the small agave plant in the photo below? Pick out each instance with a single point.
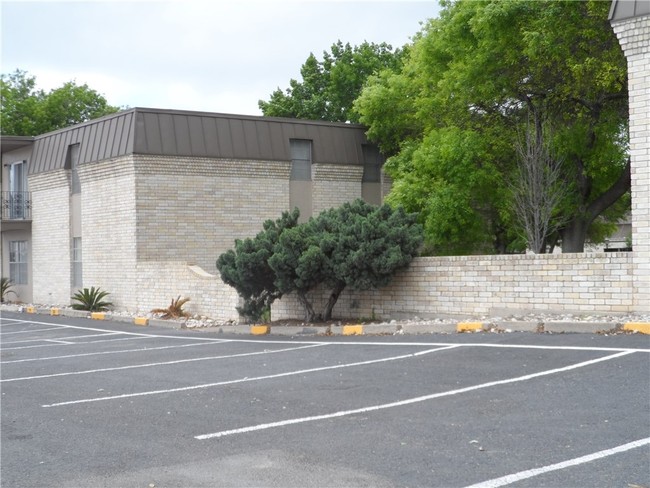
(175, 309)
(5, 288)
(91, 299)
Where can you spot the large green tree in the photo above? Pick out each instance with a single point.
(28, 111)
(329, 87)
(451, 117)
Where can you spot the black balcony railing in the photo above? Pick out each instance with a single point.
(16, 205)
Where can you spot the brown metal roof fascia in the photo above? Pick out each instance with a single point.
(103, 138)
(628, 9)
(197, 134)
(215, 135)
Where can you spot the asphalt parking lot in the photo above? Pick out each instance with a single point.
(94, 403)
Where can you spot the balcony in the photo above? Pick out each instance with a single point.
(16, 205)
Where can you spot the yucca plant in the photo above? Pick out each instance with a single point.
(91, 300)
(175, 309)
(5, 288)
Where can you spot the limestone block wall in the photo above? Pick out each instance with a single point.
(157, 282)
(50, 245)
(335, 184)
(634, 37)
(477, 285)
(108, 230)
(192, 209)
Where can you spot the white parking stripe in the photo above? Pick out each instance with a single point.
(68, 338)
(157, 336)
(142, 349)
(522, 475)
(71, 343)
(409, 401)
(6, 322)
(27, 331)
(162, 363)
(245, 380)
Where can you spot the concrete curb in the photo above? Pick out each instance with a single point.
(501, 326)
(516, 326)
(169, 324)
(81, 314)
(578, 327)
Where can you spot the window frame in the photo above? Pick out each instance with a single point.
(301, 159)
(18, 262)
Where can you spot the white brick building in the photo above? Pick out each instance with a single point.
(141, 203)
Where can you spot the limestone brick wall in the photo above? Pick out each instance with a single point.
(108, 230)
(634, 37)
(192, 209)
(158, 282)
(335, 184)
(476, 285)
(50, 247)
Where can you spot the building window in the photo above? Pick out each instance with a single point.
(76, 263)
(72, 163)
(18, 176)
(300, 160)
(300, 186)
(17, 199)
(371, 190)
(18, 262)
(372, 162)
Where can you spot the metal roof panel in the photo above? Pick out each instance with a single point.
(628, 9)
(198, 134)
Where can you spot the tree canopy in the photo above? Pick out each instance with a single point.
(27, 111)
(357, 246)
(450, 119)
(329, 87)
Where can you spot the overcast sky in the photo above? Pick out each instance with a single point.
(214, 56)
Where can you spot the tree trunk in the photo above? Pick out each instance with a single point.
(334, 296)
(310, 315)
(575, 232)
(574, 235)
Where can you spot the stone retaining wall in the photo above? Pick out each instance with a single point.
(477, 285)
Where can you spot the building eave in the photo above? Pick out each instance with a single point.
(11, 143)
